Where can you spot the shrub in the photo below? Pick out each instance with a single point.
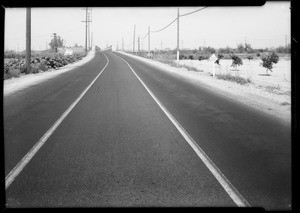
(203, 57)
(249, 57)
(191, 57)
(269, 60)
(13, 72)
(183, 56)
(220, 56)
(274, 57)
(237, 79)
(41, 62)
(236, 61)
(267, 63)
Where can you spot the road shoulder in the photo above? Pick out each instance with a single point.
(275, 105)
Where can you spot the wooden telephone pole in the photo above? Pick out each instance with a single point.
(28, 39)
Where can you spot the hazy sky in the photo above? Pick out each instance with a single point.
(264, 26)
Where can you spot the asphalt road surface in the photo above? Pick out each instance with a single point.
(117, 147)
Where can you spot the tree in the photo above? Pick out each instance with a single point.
(219, 56)
(248, 48)
(56, 42)
(240, 48)
(226, 50)
(274, 57)
(236, 61)
(209, 50)
(269, 60)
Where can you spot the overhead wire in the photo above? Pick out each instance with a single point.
(145, 36)
(164, 27)
(155, 31)
(192, 12)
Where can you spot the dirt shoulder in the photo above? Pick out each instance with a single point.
(266, 98)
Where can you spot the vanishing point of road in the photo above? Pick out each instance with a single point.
(119, 132)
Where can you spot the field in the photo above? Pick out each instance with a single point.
(279, 78)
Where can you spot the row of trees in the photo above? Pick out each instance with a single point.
(240, 49)
(244, 48)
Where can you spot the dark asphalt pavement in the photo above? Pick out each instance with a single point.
(118, 148)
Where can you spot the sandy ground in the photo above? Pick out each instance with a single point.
(281, 75)
(270, 94)
(15, 84)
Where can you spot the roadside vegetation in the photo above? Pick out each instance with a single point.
(234, 78)
(41, 61)
(267, 56)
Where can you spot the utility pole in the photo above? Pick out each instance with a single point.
(133, 39)
(285, 41)
(92, 40)
(122, 44)
(28, 39)
(89, 38)
(177, 35)
(139, 45)
(86, 28)
(142, 46)
(149, 40)
(89, 28)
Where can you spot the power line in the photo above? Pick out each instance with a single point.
(145, 36)
(192, 12)
(164, 27)
(155, 31)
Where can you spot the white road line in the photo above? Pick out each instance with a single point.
(25, 160)
(225, 183)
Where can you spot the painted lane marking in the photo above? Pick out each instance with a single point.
(238, 199)
(25, 160)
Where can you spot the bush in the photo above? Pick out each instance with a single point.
(236, 61)
(203, 57)
(183, 56)
(220, 56)
(191, 57)
(38, 63)
(269, 60)
(233, 78)
(249, 57)
(13, 72)
(274, 57)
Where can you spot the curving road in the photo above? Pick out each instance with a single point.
(117, 147)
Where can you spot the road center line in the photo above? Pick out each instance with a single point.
(225, 183)
(25, 160)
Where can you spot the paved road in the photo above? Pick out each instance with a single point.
(117, 147)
